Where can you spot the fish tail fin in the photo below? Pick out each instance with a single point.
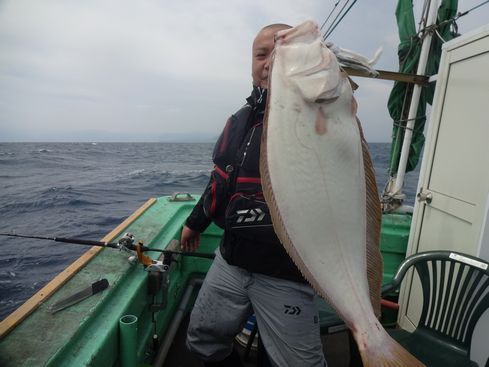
(386, 353)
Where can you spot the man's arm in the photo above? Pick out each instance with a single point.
(195, 224)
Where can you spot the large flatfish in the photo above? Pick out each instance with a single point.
(313, 170)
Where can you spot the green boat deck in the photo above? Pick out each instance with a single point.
(87, 334)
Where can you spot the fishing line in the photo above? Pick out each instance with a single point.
(333, 27)
(330, 13)
(334, 20)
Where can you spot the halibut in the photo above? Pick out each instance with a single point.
(318, 181)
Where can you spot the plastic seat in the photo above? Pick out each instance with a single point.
(455, 292)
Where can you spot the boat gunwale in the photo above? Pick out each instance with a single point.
(29, 306)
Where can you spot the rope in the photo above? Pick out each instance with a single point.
(399, 124)
(439, 36)
(460, 14)
(425, 30)
(435, 27)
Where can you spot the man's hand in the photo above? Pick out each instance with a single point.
(190, 239)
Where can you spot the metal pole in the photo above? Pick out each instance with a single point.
(176, 321)
(413, 109)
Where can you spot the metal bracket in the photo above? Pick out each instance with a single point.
(157, 266)
(159, 277)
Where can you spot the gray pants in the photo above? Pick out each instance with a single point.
(285, 311)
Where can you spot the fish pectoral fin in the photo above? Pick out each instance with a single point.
(354, 60)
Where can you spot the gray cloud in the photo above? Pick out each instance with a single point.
(125, 70)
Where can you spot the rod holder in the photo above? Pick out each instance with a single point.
(128, 327)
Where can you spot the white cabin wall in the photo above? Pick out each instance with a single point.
(455, 171)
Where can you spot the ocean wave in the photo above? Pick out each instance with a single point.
(155, 182)
(164, 173)
(52, 197)
(137, 172)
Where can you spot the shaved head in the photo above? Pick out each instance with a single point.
(279, 26)
(272, 29)
(262, 49)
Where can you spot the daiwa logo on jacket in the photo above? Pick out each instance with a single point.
(250, 215)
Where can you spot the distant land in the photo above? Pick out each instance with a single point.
(60, 137)
(92, 136)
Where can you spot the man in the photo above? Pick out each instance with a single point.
(251, 272)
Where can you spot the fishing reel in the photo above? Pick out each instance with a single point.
(161, 265)
(126, 242)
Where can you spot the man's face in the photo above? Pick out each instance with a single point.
(262, 49)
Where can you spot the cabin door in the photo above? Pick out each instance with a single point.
(454, 184)
(451, 212)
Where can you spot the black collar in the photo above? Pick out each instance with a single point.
(258, 98)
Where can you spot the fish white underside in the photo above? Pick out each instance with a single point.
(313, 179)
(319, 186)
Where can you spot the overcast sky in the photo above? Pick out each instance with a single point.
(146, 70)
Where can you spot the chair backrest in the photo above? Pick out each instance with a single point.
(455, 294)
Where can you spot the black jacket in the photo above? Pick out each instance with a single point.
(233, 199)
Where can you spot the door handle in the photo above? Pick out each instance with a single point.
(425, 196)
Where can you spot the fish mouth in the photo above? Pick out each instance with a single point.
(311, 61)
(306, 32)
(308, 63)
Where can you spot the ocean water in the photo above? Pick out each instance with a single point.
(84, 190)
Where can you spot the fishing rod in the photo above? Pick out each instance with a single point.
(125, 243)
